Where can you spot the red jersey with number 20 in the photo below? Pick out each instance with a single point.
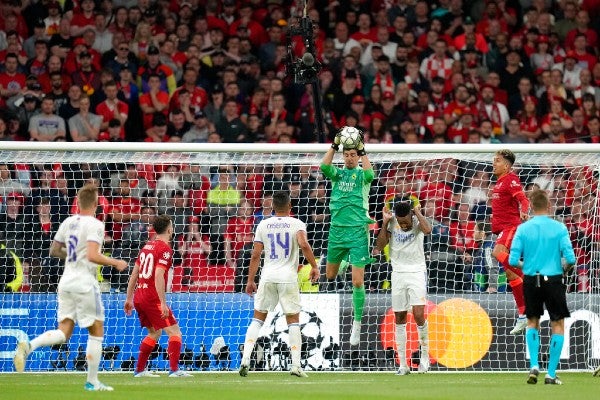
(507, 201)
(155, 254)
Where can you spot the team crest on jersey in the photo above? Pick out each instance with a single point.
(353, 176)
(166, 255)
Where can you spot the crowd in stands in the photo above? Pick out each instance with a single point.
(216, 209)
(404, 71)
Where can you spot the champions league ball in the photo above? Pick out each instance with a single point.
(350, 137)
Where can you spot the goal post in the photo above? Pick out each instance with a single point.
(216, 193)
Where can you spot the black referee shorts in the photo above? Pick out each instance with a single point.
(548, 290)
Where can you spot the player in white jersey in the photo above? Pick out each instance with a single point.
(405, 234)
(79, 242)
(281, 237)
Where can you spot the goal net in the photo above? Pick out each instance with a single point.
(217, 194)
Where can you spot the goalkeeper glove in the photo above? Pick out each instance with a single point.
(360, 149)
(337, 140)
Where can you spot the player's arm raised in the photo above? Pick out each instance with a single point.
(383, 237)
(94, 255)
(253, 269)
(133, 278)
(308, 253)
(424, 224)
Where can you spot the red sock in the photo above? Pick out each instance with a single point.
(517, 289)
(174, 351)
(516, 284)
(146, 348)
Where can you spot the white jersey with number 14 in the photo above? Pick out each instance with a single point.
(281, 250)
(79, 274)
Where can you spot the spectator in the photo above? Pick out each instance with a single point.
(199, 131)
(222, 201)
(238, 232)
(491, 110)
(153, 101)
(11, 80)
(195, 248)
(511, 74)
(230, 126)
(47, 126)
(112, 107)
(40, 230)
(84, 126)
(54, 65)
(83, 18)
(487, 274)
(61, 42)
(154, 66)
(513, 133)
(12, 223)
(178, 124)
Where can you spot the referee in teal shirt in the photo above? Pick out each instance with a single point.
(541, 242)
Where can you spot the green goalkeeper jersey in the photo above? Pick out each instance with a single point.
(349, 203)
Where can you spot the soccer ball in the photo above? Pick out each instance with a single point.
(350, 137)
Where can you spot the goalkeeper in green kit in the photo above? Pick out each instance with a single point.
(349, 228)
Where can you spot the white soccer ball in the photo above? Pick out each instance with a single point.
(350, 137)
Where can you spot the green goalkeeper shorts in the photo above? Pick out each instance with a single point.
(349, 243)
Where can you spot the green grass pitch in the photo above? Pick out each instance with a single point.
(278, 385)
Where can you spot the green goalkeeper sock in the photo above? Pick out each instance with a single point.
(358, 300)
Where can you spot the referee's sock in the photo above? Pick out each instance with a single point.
(556, 345)
(532, 336)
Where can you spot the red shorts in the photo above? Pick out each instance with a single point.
(505, 237)
(149, 316)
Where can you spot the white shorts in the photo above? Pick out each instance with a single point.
(85, 308)
(408, 289)
(270, 293)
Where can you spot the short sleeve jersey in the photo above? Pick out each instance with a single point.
(155, 254)
(281, 249)
(75, 232)
(505, 206)
(406, 247)
(349, 204)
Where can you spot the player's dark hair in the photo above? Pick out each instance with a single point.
(161, 223)
(402, 208)
(281, 199)
(539, 200)
(507, 155)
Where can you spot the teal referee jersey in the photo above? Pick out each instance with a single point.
(541, 242)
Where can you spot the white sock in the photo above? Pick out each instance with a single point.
(93, 355)
(423, 339)
(48, 338)
(251, 336)
(295, 343)
(401, 343)
(356, 325)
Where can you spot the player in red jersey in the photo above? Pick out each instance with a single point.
(510, 206)
(148, 280)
